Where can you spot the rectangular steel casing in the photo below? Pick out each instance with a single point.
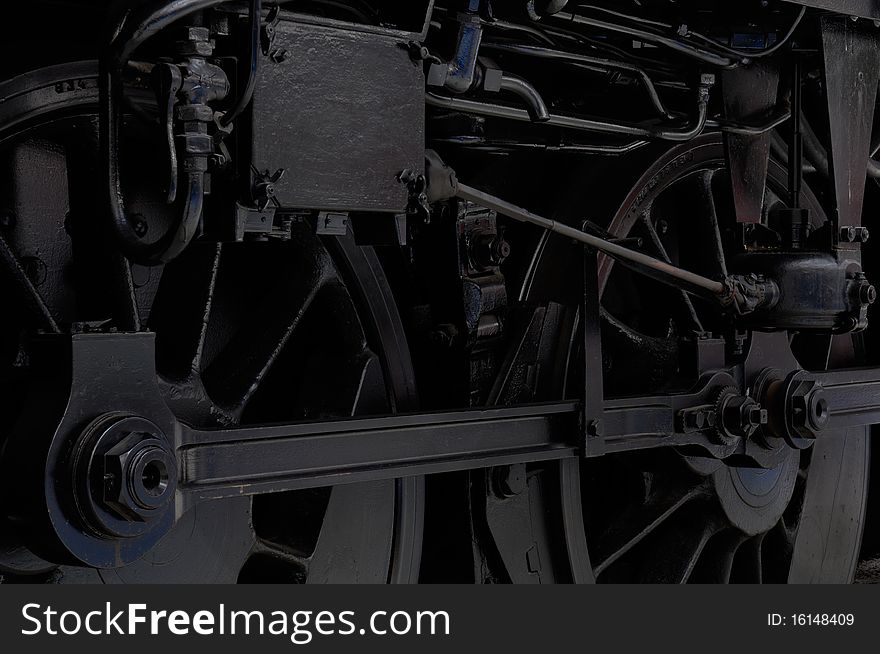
(343, 114)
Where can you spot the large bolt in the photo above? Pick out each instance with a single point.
(139, 475)
(489, 250)
(808, 412)
(125, 474)
(195, 41)
(850, 234)
(817, 409)
(867, 293)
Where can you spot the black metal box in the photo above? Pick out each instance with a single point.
(343, 112)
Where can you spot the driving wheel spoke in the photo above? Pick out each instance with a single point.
(248, 330)
(705, 207)
(180, 320)
(674, 558)
(660, 249)
(636, 524)
(718, 559)
(749, 561)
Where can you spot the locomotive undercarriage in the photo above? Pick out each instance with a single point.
(621, 376)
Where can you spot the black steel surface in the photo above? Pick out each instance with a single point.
(863, 8)
(300, 114)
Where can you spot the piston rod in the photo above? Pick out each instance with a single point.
(643, 263)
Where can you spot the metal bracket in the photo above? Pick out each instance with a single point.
(861, 8)
(749, 92)
(250, 220)
(852, 72)
(331, 224)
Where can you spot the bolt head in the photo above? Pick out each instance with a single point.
(191, 33)
(867, 294)
(695, 420)
(138, 475)
(279, 56)
(140, 226)
(808, 410)
(757, 416)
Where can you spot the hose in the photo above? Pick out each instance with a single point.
(131, 32)
(255, 18)
(687, 133)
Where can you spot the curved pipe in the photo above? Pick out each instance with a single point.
(573, 57)
(255, 17)
(687, 133)
(535, 105)
(779, 117)
(506, 26)
(651, 37)
(494, 146)
(462, 69)
(128, 35)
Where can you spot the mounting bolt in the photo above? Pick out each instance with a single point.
(867, 294)
(139, 474)
(195, 41)
(140, 226)
(596, 429)
(862, 291)
(489, 250)
(279, 56)
(740, 416)
(757, 416)
(808, 412)
(694, 420)
(852, 234)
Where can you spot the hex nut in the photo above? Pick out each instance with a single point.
(139, 477)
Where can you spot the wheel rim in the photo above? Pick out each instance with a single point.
(220, 366)
(678, 519)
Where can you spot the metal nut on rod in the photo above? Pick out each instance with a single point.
(138, 472)
(125, 475)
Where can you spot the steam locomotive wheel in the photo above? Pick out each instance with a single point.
(662, 515)
(246, 333)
